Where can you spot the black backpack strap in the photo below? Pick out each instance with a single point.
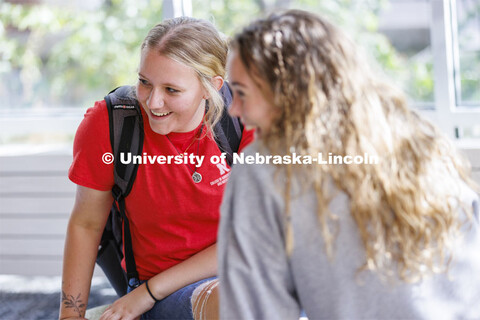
(127, 238)
(126, 133)
(126, 136)
(228, 131)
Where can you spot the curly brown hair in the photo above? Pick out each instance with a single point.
(327, 99)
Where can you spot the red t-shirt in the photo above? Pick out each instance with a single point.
(171, 217)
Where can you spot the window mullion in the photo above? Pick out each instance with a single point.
(444, 85)
(176, 8)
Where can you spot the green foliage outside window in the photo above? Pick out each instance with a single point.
(58, 56)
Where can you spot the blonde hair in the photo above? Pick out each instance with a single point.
(326, 99)
(197, 44)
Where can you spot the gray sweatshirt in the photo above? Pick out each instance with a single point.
(259, 281)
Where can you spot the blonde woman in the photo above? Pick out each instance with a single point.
(173, 218)
(391, 238)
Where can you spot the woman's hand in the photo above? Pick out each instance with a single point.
(130, 306)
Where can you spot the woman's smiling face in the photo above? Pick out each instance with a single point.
(170, 93)
(249, 102)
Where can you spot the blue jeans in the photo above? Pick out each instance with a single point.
(175, 306)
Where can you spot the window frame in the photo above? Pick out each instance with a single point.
(449, 116)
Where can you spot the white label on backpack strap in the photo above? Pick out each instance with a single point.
(123, 107)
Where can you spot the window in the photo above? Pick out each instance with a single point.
(56, 56)
(466, 41)
(455, 119)
(407, 25)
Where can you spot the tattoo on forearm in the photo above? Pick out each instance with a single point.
(71, 302)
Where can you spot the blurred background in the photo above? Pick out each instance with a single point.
(58, 57)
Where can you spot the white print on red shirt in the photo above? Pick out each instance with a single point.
(224, 173)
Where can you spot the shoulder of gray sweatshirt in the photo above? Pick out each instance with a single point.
(259, 281)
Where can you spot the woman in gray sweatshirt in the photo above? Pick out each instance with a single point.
(349, 205)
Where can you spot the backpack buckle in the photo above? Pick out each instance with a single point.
(133, 281)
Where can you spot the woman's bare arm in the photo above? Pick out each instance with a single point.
(84, 232)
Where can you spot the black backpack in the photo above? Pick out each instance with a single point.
(126, 135)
